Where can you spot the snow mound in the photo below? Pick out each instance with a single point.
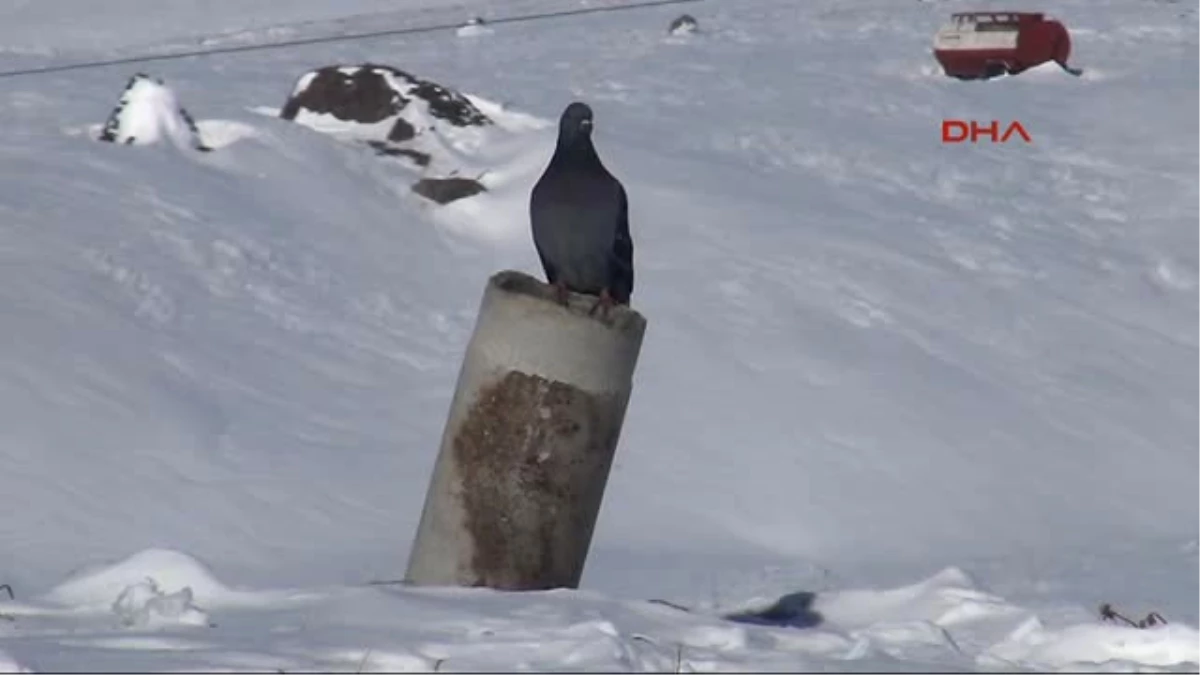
(145, 605)
(222, 133)
(152, 573)
(1082, 647)
(948, 597)
(1050, 71)
(508, 172)
(927, 620)
(506, 119)
(149, 112)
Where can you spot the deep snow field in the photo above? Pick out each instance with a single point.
(935, 402)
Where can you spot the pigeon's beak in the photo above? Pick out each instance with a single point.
(586, 125)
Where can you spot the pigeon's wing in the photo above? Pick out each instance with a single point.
(621, 258)
(537, 217)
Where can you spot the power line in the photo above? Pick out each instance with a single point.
(328, 38)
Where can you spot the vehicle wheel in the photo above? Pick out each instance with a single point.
(994, 69)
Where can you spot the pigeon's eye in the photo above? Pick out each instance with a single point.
(585, 123)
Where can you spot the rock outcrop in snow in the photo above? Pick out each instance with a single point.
(149, 112)
(685, 24)
(374, 95)
(398, 114)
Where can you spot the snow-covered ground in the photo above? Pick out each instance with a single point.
(935, 402)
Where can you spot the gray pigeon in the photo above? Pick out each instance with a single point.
(580, 218)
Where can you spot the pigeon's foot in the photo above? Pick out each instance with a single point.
(561, 293)
(604, 303)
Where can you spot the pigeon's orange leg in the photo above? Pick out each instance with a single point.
(604, 303)
(560, 292)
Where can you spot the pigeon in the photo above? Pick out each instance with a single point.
(580, 218)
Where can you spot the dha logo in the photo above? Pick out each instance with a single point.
(957, 131)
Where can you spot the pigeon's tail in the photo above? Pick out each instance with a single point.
(620, 271)
(622, 288)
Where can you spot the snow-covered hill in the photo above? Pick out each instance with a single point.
(948, 389)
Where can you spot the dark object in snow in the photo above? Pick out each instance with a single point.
(580, 218)
(421, 159)
(148, 110)
(402, 131)
(668, 603)
(983, 45)
(446, 190)
(1107, 613)
(790, 611)
(474, 26)
(11, 596)
(371, 93)
(685, 24)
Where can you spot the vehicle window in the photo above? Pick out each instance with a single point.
(996, 26)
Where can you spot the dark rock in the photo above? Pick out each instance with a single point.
(362, 96)
(371, 93)
(402, 131)
(449, 105)
(446, 190)
(683, 25)
(421, 159)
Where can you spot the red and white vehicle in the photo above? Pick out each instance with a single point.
(978, 45)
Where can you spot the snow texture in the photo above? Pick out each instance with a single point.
(901, 405)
